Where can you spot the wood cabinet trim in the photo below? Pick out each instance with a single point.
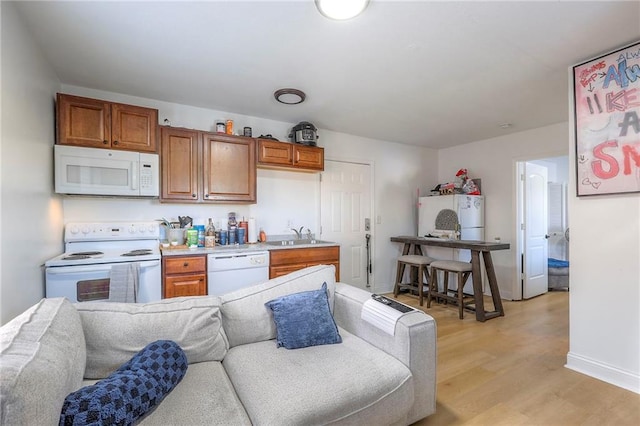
(184, 276)
(297, 158)
(239, 179)
(191, 191)
(303, 255)
(282, 262)
(185, 265)
(105, 128)
(223, 179)
(65, 121)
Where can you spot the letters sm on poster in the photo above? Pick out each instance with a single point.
(607, 120)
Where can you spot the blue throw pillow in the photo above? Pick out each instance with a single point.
(304, 319)
(131, 391)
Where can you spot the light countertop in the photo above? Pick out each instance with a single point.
(239, 248)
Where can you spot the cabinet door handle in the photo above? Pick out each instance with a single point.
(115, 142)
(106, 142)
(206, 195)
(185, 264)
(193, 195)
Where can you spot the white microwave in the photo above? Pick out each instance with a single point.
(95, 171)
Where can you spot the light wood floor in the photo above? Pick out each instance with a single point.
(510, 370)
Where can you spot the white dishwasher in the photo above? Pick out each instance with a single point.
(227, 272)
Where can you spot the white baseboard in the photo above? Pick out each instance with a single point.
(604, 372)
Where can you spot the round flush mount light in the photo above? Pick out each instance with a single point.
(341, 9)
(289, 96)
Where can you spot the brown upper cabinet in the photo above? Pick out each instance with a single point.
(101, 124)
(273, 154)
(207, 167)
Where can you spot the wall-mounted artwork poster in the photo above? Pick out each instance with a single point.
(607, 123)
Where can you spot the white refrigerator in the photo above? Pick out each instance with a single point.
(470, 213)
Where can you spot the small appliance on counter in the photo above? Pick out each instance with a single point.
(304, 133)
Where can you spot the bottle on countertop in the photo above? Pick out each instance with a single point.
(210, 235)
(243, 224)
(201, 236)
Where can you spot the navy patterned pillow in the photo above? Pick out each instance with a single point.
(304, 319)
(131, 391)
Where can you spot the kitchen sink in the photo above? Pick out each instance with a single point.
(288, 243)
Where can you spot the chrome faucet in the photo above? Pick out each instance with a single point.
(298, 233)
(309, 237)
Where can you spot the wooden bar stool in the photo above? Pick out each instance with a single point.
(463, 272)
(422, 265)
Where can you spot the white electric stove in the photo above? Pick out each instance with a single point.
(83, 271)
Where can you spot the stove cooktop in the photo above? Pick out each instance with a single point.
(102, 257)
(89, 243)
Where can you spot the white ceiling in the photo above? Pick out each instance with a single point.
(435, 74)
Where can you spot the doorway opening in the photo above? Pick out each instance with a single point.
(542, 234)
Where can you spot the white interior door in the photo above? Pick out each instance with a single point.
(536, 249)
(345, 211)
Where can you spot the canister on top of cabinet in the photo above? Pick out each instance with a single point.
(229, 127)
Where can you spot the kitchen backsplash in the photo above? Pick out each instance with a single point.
(285, 200)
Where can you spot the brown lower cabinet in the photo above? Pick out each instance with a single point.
(282, 262)
(184, 276)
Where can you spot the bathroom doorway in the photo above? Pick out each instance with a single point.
(544, 257)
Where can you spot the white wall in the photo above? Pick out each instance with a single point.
(286, 197)
(604, 277)
(493, 160)
(31, 216)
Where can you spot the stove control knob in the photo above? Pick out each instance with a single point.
(132, 229)
(85, 230)
(141, 229)
(152, 228)
(74, 230)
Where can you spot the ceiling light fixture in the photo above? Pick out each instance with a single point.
(289, 96)
(341, 9)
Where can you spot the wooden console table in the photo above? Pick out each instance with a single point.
(476, 248)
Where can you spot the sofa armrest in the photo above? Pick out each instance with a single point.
(414, 343)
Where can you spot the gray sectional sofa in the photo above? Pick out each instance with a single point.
(236, 374)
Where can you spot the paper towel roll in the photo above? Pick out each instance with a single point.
(253, 232)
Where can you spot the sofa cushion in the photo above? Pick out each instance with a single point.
(245, 317)
(42, 361)
(350, 383)
(304, 319)
(204, 397)
(116, 331)
(131, 391)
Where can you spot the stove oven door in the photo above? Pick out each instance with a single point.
(86, 283)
